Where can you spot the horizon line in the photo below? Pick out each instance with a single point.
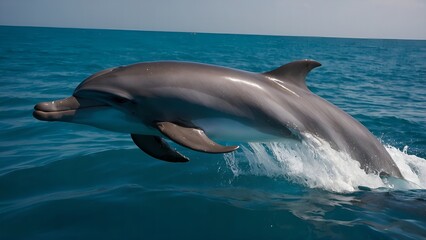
(218, 33)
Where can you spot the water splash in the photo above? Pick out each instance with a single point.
(315, 164)
(413, 168)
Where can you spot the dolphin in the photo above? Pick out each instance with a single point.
(198, 105)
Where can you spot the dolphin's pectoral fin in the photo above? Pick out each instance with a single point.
(158, 148)
(192, 138)
(294, 72)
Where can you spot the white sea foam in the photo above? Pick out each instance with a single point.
(315, 164)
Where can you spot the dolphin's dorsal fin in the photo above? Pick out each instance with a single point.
(192, 138)
(294, 72)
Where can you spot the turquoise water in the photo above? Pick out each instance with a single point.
(65, 181)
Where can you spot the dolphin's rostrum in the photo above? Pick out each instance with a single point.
(196, 104)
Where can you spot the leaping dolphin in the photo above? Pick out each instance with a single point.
(193, 103)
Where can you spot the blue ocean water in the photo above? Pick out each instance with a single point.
(65, 181)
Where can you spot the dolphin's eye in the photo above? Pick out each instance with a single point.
(119, 100)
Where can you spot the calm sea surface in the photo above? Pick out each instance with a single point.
(65, 181)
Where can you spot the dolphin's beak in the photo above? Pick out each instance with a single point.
(63, 109)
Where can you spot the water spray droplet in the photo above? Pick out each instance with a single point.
(405, 149)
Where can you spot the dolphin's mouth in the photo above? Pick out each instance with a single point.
(63, 109)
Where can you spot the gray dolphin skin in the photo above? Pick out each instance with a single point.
(197, 105)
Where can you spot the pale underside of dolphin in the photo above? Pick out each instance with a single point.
(197, 105)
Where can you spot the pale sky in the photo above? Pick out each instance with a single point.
(401, 19)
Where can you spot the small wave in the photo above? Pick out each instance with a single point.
(64, 195)
(315, 164)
